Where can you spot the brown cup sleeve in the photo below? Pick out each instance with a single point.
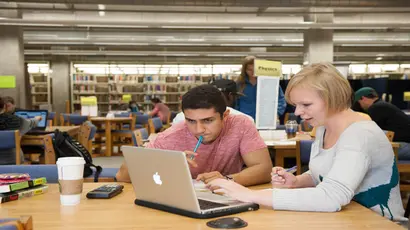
(71, 187)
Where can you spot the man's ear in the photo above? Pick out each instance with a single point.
(226, 113)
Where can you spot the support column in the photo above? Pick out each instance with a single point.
(60, 78)
(318, 43)
(12, 57)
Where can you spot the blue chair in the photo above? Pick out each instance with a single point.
(141, 120)
(303, 148)
(144, 133)
(155, 125)
(51, 174)
(10, 141)
(52, 119)
(72, 119)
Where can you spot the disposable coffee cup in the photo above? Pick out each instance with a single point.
(70, 179)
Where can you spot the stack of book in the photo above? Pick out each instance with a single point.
(18, 186)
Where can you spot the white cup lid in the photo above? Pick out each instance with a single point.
(70, 161)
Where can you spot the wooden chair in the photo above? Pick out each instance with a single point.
(72, 119)
(389, 135)
(155, 125)
(303, 148)
(138, 140)
(10, 139)
(86, 135)
(52, 119)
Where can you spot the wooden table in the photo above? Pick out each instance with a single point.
(107, 122)
(47, 142)
(287, 149)
(121, 213)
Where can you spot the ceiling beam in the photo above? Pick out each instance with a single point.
(202, 25)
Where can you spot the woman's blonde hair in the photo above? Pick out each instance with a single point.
(249, 60)
(328, 82)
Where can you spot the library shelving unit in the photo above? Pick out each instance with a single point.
(167, 82)
(369, 71)
(40, 85)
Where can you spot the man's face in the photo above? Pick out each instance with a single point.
(204, 122)
(365, 103)
(10, 108)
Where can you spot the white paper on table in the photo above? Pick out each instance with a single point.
(273, 143)
(204, 193)
(89, 110)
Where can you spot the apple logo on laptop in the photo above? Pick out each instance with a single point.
(157, 179)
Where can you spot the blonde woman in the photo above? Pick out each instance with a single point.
(351, 157)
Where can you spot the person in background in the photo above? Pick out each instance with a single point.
(229, 142)
(230, 93)
(10, 104)
(9, 121)
(388, 117)
(247, 84)
(133, 107)
(350, 159)
(160, 110)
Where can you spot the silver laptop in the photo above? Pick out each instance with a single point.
(162, 180)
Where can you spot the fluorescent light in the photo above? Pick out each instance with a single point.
(101, 7)
(379, 58)
(195, 27)
(101, 13)
(182, 44)
(245, 44)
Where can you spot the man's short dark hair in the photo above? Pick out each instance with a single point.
(204, 97)
(8, 99)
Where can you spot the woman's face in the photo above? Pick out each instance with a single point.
(250, 70)
(309, 105)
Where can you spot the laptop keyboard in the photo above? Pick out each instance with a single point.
(204, 204)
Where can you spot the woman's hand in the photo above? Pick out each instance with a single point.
(232, 189)
(282, 179)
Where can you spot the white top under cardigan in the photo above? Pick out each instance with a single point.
(361, 166)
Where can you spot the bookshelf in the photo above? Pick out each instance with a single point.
(143, 82)
(40, 85)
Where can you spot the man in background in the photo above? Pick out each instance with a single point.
(388, 117)
(10, 105)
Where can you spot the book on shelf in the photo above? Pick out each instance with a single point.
(20, 194)
(22, 185)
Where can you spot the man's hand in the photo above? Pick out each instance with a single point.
(38, 118)
(188, 155)
(208, 177)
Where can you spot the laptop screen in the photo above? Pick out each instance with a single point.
(29, 114)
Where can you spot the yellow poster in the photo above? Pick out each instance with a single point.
(7, 82)
(88, 100)
(126, 98)
(268, 68)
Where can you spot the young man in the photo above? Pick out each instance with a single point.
(388, 117)
(230, 92)
(10, 105)
(229, 141)
(9, 121)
